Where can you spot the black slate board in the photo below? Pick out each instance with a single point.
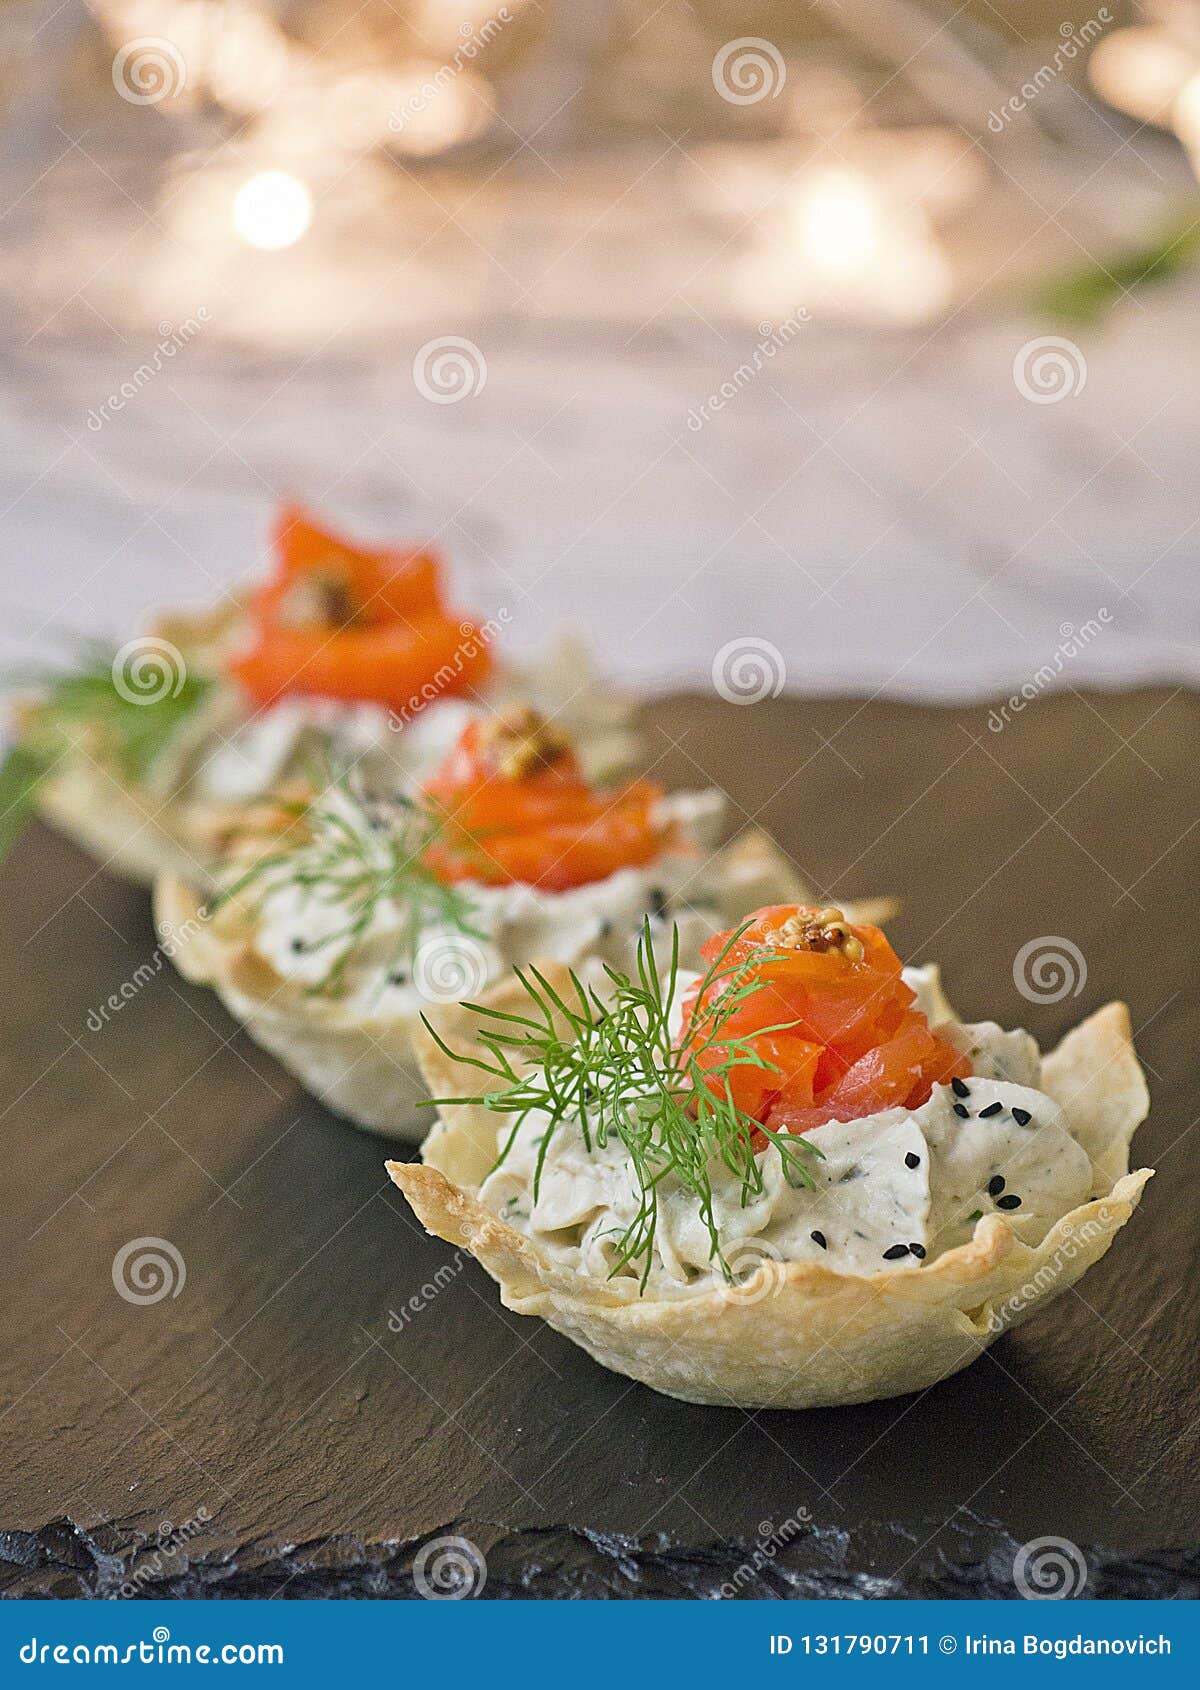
(289, 1442)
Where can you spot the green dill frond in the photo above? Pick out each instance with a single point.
(20, 776)
(84, 704)
(1084, 293)
(131, 730)
(355, 854)
(610, 1063)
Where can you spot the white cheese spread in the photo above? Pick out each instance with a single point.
(891, 1190)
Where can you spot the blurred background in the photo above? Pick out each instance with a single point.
(862, 332)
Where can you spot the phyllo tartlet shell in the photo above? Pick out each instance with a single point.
(139, 832)
(364, 1066)
(798, 1335)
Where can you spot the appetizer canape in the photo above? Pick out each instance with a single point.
(331, 942)
(148, 757)
(793, 1180)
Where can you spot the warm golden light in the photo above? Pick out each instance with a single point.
(1141, 71)
(1185, 119)
(838, 222)
(272, 210)
(433, 108)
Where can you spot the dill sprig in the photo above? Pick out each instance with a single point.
(355, 854)
(1081, 295)
(130, 729)
(83, 704)
(610, 1063)
(20, 777)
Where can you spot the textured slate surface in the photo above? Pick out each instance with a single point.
(276, 1428)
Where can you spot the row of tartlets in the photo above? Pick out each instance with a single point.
(711, 1131)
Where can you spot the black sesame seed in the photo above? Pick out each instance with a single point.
(298, 943)
(995, 1185)
(960, 1088)
(912, 1160)
(961, 1110)
(606, 929)
(918, 1250)
(895, 1253)
(992, 1109)
(1009, 1202)
(1022, 1117)
(819, 1238)
(658, 903)
(397, 977)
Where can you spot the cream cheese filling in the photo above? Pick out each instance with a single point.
(393, 968)
(892, 1190)
(227, 754)
(233, 758)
